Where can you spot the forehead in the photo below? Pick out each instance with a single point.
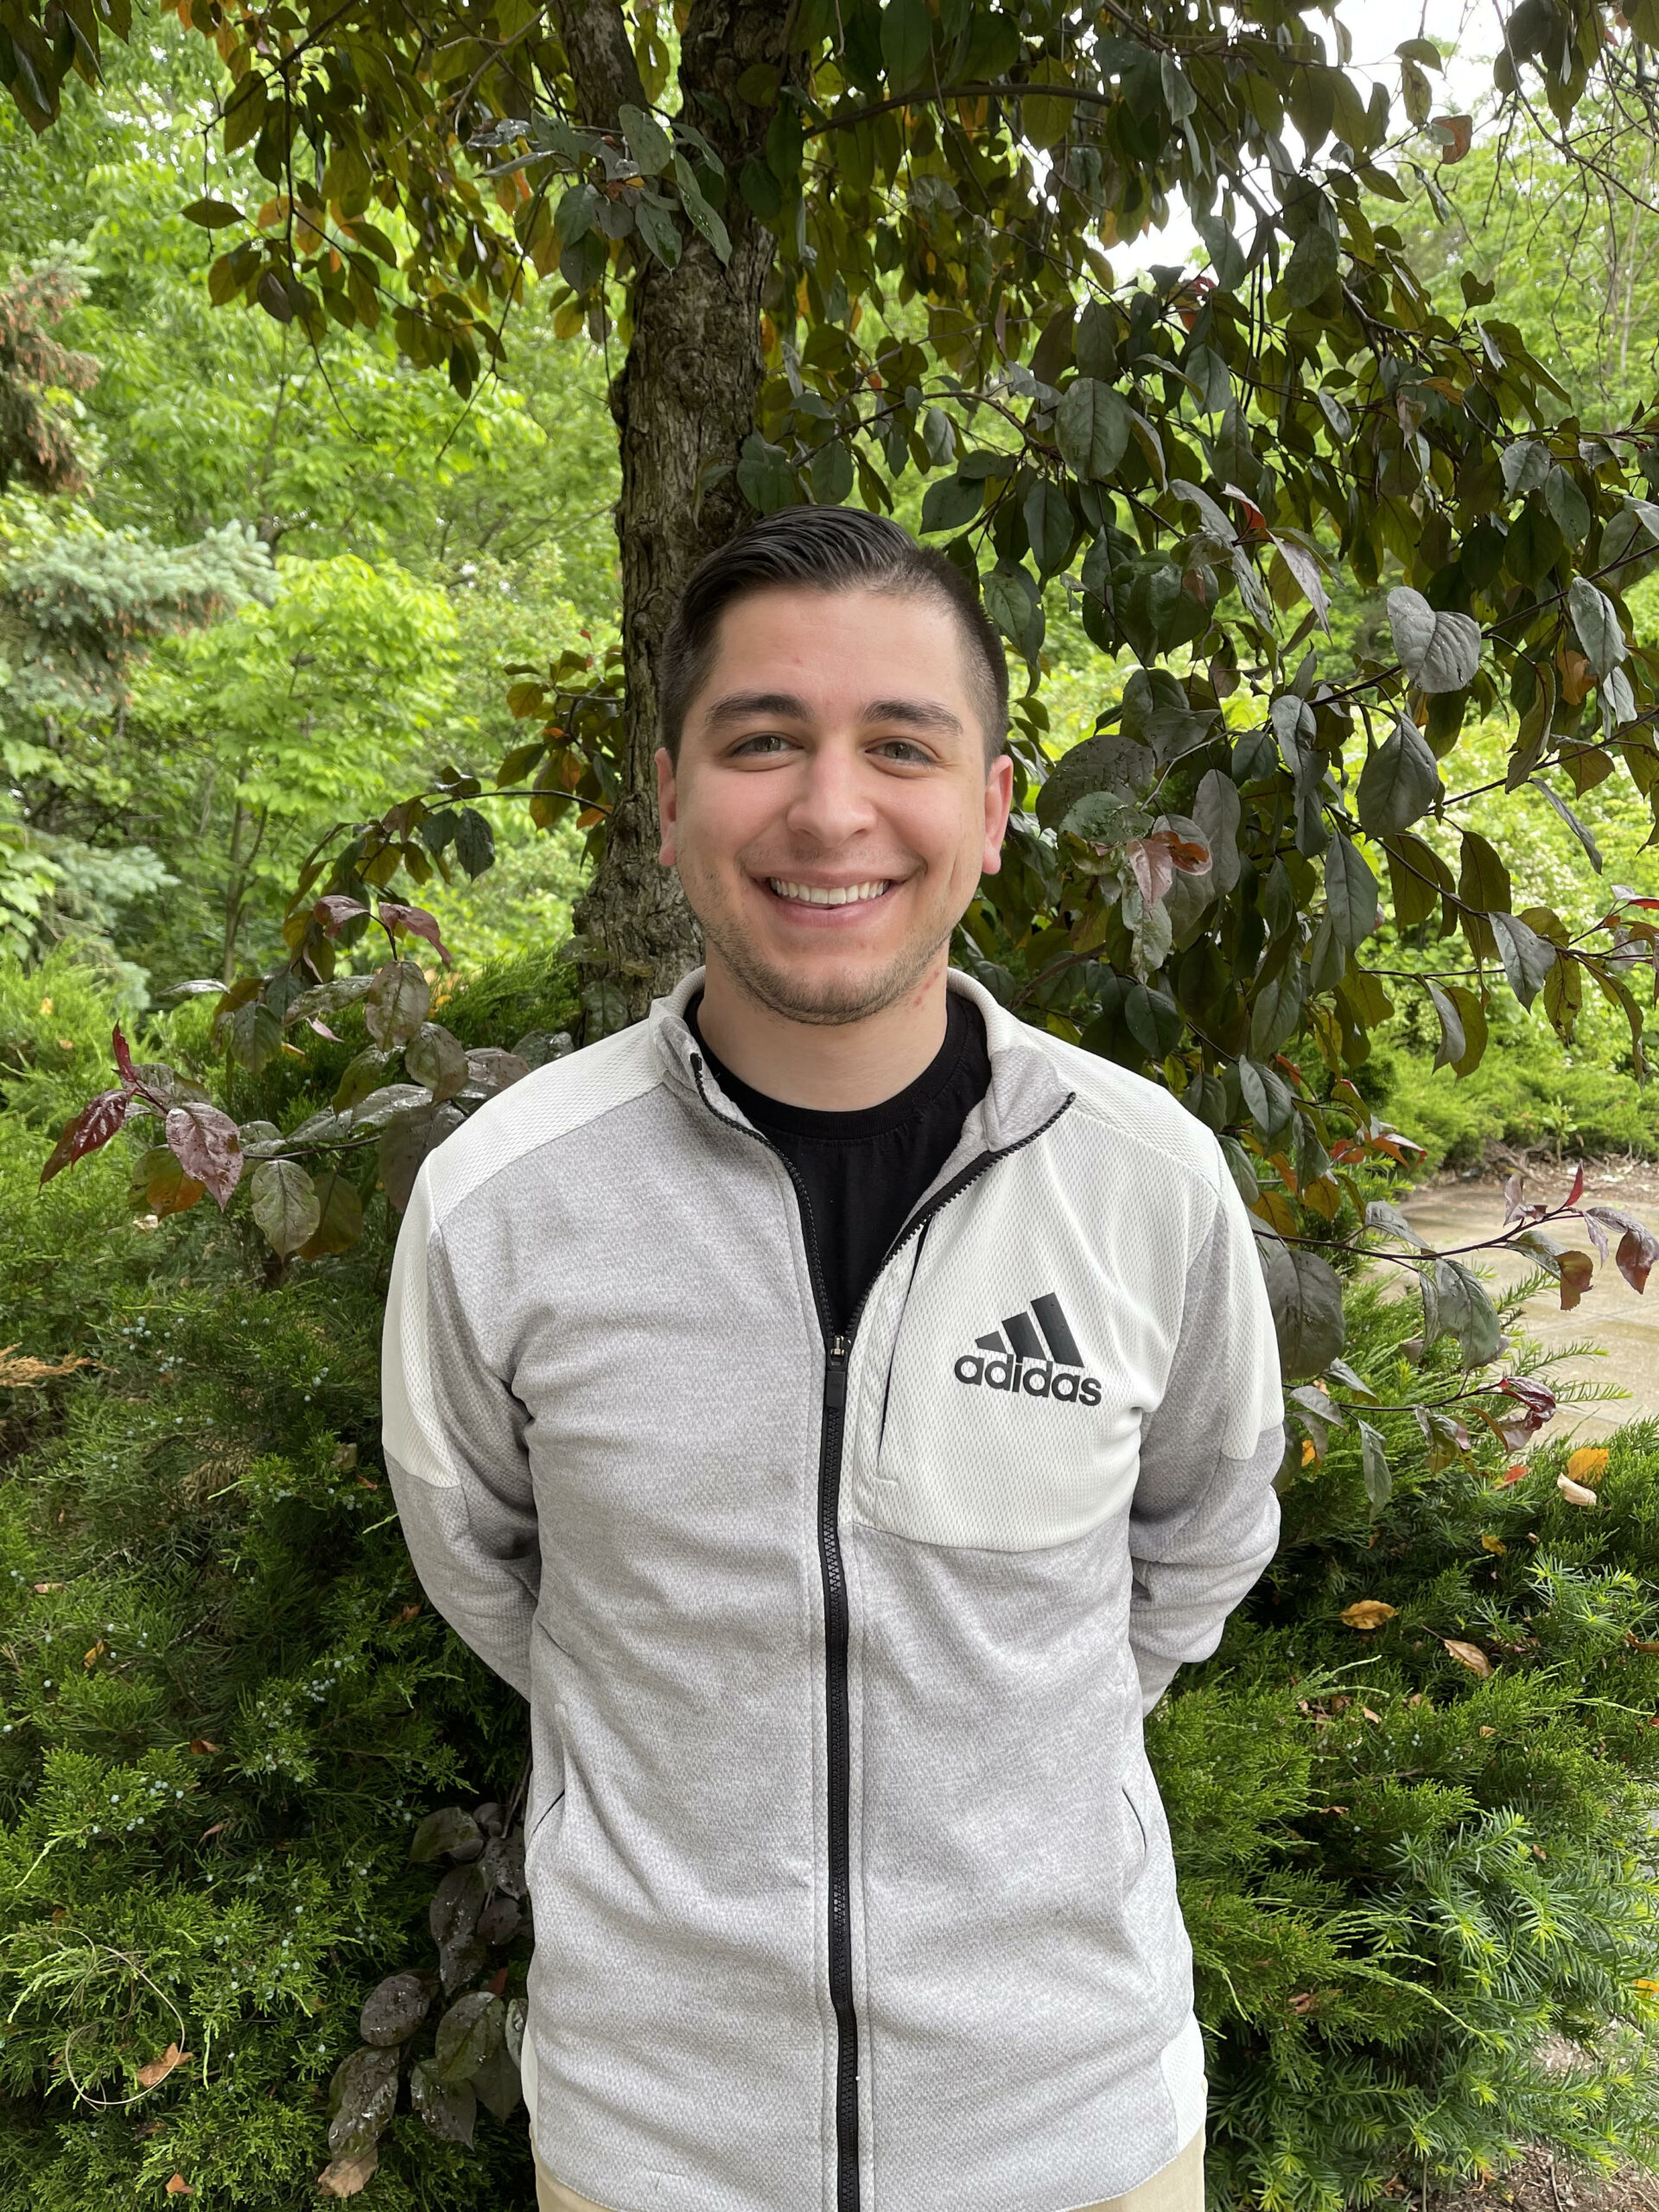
(840, 649)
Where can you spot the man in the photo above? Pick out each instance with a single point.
(839, 1409)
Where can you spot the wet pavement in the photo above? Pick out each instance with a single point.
(1449, 1212)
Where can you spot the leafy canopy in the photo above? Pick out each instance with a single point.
(1184, 460)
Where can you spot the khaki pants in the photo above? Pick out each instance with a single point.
(1178, 2187)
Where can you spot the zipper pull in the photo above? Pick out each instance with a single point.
(835, 1374)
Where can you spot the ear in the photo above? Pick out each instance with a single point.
(999, 798)
(667, 807)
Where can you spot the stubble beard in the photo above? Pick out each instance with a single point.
(833, 1002)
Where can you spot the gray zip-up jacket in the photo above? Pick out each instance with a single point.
(852, 1888)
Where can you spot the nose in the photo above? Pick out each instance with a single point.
(831, 804)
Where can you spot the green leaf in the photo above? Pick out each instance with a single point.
(1012, 601)
(450, 1828)
(648, 142)
(765, 477)
(951, 502)
(340, 1217)
(906, 35)
(1597, 624)
(1091, 427)
(1312, 266)
(1452, 1045)
(659, 231)
(1304, 1293)
(1439, 651)
(1527, 957)
(285, 1204)
(213, 214)
(1399, 783)
(469, 2031)
(1568, 505)
(1460, 1307)
(1374, 1466)
(1049, 526)
(702, 216)
(396, 1003)
(1267, 1098)
(1350, 892)
(436, 1058)
(1275, 1012)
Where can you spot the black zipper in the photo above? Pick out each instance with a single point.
(838, 1347)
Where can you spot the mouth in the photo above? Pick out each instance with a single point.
(829, 894)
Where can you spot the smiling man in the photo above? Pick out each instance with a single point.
(840, 1407)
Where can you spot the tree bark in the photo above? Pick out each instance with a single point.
(684, 400)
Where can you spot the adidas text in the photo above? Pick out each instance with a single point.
(1038, 1379)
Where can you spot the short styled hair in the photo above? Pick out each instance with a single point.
(824, 549)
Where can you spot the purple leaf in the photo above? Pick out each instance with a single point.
(95, 1123)
(418, 923)
(208, 1147)
(336, 910)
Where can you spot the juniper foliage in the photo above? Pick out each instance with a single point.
(1420, 1885)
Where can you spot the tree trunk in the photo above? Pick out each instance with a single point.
(684, 400)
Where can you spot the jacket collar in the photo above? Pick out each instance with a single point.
(1027, 1089)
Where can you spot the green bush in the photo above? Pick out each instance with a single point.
(224, 1707)
(1407, 1868)
(1530, 1092)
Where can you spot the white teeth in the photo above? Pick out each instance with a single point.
(816, 894)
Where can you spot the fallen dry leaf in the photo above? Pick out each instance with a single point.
(1574, 1493)
(1488, 1732)
(1368, 1613)
(1494, 1544)
(179, 2187)
(1515, 1472)
(1308, 1454)
(345, 2176)
(1468, 1655)
(92, 1657)
(407, 1615)
(1584, 1464)
(201, 1747)
(159, 2069)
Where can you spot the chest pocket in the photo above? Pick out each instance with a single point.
(1000, 1386)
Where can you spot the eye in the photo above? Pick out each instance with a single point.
(760, 744)
(906, 750)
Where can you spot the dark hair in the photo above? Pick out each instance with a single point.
(823, 548)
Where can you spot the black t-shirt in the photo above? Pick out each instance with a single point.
(862, 1173)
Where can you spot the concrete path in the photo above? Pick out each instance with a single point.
(1451, 1210)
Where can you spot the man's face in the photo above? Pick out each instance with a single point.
(832, 811)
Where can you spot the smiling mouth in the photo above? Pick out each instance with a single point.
(821, 894)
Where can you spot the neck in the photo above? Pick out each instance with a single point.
(836, 1067)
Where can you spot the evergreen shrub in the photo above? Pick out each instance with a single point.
(1415, 1858)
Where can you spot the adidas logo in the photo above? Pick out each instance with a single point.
(1019, 1360)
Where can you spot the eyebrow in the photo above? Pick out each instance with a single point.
(745, 706)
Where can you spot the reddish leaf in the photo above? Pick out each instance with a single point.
(1577, 1191)
(122, 1057)
(1154, 869)
(336, 910)
(1637, 1253)
(322, 1029)
(418, 923)
(208, 1147)
(1537, 1400)
(93, 1126)
(1453, 134)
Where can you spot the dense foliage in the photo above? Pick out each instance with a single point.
(1327, 552)
(1412, 1853)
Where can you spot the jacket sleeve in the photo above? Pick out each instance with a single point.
(453, 1437)
(1205, 1519)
